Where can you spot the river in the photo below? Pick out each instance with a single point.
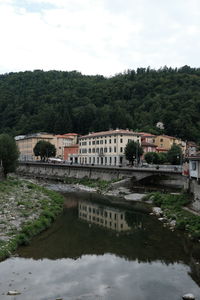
(99, 249)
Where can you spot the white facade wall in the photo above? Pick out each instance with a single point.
(105, 149)
(194, 168)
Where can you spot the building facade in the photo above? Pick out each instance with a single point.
(27, 143)
(148, 142)
(71, 153)
(106, 147)
(62, 141)
(165, 142)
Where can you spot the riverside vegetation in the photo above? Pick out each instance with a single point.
(99, 184)
(173, 210)
(26, 210)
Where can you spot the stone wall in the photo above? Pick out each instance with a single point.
(195, 190)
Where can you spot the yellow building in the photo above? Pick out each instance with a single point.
(27, 143)
(106, 147)
(165, 142)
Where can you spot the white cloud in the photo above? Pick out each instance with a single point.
(98, 36)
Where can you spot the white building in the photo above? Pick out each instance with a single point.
(106, 147)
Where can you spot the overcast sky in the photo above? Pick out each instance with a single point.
(98, 36)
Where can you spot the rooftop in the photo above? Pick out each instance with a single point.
(111, 132)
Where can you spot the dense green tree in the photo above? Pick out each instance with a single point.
(59, 102)
(133, 151)
(174, 155)
(8, 154)
(162, 158)
(44, 149)
(151, 157)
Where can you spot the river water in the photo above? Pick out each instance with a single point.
(99, 249)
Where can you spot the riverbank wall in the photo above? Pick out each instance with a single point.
(194, 188)
(166, 178)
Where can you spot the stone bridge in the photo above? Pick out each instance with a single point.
(166, 177)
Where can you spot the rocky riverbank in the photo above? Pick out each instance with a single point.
(25, 210)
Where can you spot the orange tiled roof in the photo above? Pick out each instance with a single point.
(147, 134)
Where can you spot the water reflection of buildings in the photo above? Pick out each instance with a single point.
(105, 216)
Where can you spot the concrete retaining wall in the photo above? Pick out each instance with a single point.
(62, 171)
(195, 190)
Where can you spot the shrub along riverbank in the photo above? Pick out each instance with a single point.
(173, 210)
(25, 210)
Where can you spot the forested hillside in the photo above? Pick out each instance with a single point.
(61, 102)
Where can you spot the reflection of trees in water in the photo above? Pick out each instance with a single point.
(193, 251)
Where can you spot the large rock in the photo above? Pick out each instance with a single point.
(157, 211)
(134, 197)
(13, 293)
(188, 297)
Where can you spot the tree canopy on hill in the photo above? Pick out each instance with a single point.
(60, 102)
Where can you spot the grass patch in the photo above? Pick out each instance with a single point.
(50, 204)
(93, 183)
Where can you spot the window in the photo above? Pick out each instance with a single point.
(110, 149)
(115, 140)
(93, 142)
(121, 149)
(194, 166)
(121, 140)
(115, 149)
(161, 140)
(110, 141)
(105, 149)
(97, 142)
(105, 141)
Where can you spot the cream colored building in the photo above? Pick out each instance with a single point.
(106, 147)
(27, 143)
(105, 216)
(62, 141)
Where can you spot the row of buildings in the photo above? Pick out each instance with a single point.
(100, 148)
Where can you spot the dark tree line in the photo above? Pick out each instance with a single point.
(60, 102)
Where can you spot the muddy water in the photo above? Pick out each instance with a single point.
(102, 250)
